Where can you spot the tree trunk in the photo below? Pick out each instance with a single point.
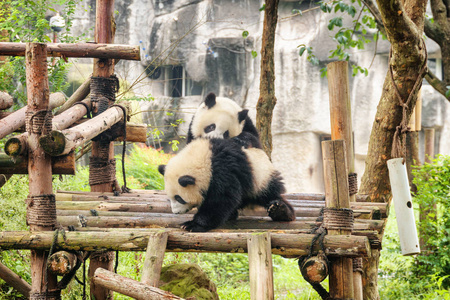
(266, 102)
(404, 27)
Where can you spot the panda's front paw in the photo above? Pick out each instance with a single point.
(193, 226)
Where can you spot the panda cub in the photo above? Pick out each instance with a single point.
(219, 117)
(219, 176)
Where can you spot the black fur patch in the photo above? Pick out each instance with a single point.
(162, 169)
(186, 180)
(210, 100)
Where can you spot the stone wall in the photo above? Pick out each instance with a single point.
(205, 39)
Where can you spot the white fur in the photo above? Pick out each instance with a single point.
(262, 168)
(224, 114)
(193, 160)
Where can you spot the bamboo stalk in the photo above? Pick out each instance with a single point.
(62, 142)
(283, 242)
(129, 287)
(15, 281)
(91, 50)
(16, 120)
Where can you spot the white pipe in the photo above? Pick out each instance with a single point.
(409, 241)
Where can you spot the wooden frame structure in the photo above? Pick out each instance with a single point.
(127, 222)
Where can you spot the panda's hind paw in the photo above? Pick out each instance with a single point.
(192, 226)
(281, 212)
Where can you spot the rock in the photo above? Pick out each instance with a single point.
(187, 281)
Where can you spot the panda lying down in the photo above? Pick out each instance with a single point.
(219, 177)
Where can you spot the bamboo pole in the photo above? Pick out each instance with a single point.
(15, 281)
(64, 141)
(16, 120)
(90, 50)
(260, 266)
(6, 100)
(154, 257)
(39, 163)
(286, 243)
(336, 196)
(60, 165)
(129, 287)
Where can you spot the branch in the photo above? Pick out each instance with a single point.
(436, 83)
(439, 11)
(433, 32)
(376, 14)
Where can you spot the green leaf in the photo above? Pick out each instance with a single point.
(263, 7)
(302, 50)
(254, 54)
(297, 11)
(447, 94)
(245, 34)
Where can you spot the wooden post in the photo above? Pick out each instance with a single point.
(260, 265)
(104, 33)
(129, 287)
(39, 164)
(425, 211)
(336, 196)
(429, 144)
(154, 257)
(341, 125)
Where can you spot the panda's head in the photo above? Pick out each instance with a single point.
(218, 117)
(187, 176)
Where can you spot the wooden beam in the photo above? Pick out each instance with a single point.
(6, 100)
(260, 266)
(129, 287)
(15, 281)
(19, 165)
(284, 242)
(80, 94)
(154, 258)
(16, 120)
(64, 141)
(61, 262)
(336, 196)
(88, 50)
(39, 163)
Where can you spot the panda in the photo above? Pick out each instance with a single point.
(219, 117)
(219, 176)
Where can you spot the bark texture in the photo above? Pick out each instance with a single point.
(404, 23)
(267, 101)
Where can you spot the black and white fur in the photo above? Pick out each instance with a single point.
(219, 176)
(219, 117)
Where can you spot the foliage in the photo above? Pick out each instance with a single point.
(433, 190)
(24, 21)
(346, 38)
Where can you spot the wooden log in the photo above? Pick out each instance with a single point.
(6, 100)
(89, 50)
(4, 178)
(15, 281)
(39, 163)
(260, 266)
(80, 94)
(174, 221)
(103, 67)
(154, 258)
(315, 268)
(62, 142)
(429, 144)
(17, 145)
(16, 120)
(61, 262)
(286, 243)
(129, 287)
(136, 133)
(336, 196)
(19, 165)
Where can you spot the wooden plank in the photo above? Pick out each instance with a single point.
(154, 258)
(129, 287)
(260, 266)
(89, 50)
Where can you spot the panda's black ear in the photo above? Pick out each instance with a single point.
(186, 180)
(210, 100)
(242, 115)
(162, 169)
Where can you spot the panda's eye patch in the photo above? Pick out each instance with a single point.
(210, 128)
(180, 200)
